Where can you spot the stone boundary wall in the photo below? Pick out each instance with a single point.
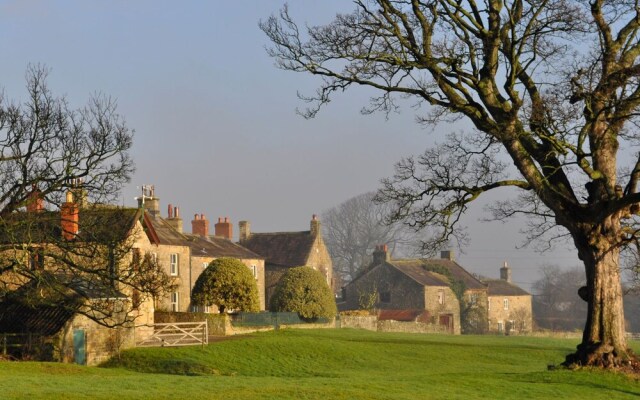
(368, 322)
(371, 323)
(220, 324)
(410, 327)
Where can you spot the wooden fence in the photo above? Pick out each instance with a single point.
(177, 334)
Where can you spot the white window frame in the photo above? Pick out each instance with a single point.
(175, 301)
(500, 326)
(440, 296)
(174, 264)
(505, 303)
(254, 270)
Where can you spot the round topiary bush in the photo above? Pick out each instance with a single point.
(228, 284)
(305, 291)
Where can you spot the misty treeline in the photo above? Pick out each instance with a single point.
(352, 229)
(558, 307)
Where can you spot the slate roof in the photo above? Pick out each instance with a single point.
(289, 249)
(95, 224)
(211, 246)
(500, 287)
(43, 320)
(418, 269)
(415, 270)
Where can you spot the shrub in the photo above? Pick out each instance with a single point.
(227, 283)
(305, 291)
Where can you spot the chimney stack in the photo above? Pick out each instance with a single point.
(245, 230)
(224, 228)
(447, 255)
(505, 273)
(200, 225)
(381, 254)
(315, 225)
(174, 219)
(69, 216)
(149, 201)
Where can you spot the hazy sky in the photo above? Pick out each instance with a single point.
(215, 125)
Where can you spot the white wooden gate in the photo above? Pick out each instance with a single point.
(177, 334)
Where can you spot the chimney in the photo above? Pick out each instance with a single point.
(35, 202)
(174, 219)
(315, 225)
(505, 273)
(381, 254)
(149, 201)
(447, 255)
(79, 194)
(245, 230)
(200, 225)
(224, 228)
(69, 218)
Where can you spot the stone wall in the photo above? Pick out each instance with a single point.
(395, 290)
(101, 343)
(368, 322)
(320, 260)
(510, 314)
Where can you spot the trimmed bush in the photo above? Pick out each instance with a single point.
(304, 290)
(228, 284)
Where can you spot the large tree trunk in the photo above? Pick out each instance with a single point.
(603, 342)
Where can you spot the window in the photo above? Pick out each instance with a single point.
(473, 298)
(154, 258)
(440, 296)
(174, 264)
(505, 304)
(385, 297)
(489, 305)
(500, 326)
(205, 265)
(175, 301)
(254, 269)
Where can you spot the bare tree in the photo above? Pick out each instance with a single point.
(352, 230)
(556, 304)
(550, 85)
(61, 245)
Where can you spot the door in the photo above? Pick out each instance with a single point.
(79, 347)
(446, 320)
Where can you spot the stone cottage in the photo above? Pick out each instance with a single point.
(410, 284)
(509, 306)
(186, 255)
(83, 316)
(284, 250)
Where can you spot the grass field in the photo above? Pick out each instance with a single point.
(327, 364)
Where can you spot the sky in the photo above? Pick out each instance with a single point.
(216, 129)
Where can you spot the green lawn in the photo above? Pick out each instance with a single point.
(327, 364)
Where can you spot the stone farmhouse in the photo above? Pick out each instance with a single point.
(186, 255)
(284, 250)
(414, 284)
(509, 306)
(87, 236)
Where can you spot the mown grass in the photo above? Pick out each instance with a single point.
(328, 364)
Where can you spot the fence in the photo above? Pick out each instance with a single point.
(275, 319)
(177, 334)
